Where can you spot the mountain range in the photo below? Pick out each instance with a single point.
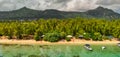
(26, 13)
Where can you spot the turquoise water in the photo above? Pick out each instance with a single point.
(58, 51)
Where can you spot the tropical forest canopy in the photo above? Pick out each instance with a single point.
(95, 29)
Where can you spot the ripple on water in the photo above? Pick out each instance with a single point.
(58, 51)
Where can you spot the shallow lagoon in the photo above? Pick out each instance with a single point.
(58, 51)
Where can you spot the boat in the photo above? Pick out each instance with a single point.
(118, 44)
(87, 46)
(103, 47)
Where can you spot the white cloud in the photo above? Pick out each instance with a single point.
(108, 2)
(81, 5)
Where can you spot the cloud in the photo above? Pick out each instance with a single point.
(50, 4)
(64, 5)
(108, 2)
(81, 5)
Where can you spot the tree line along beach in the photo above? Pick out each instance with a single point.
(55, 30)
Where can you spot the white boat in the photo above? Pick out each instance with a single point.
(103, 47)
(87, 46)
(118, 44)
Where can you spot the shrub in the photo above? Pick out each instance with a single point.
(19, 36)
(9, 37)
(86, 36)
(105, 37)
(96, 36)
(52, 37)
(62, 35)
(68, 39)
(36, 37)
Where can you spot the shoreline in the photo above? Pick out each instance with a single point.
(33, 42)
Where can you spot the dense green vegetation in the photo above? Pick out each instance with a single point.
(52, 37)
(95, 29)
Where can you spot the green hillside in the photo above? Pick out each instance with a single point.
(26, 13)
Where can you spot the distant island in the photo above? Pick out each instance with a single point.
(31, 14)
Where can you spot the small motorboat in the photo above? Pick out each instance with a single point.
(103, 47)
(118, 44)
(87, 46)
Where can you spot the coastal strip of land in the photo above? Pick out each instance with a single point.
(32, 42)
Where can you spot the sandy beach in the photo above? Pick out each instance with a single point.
(77, 41)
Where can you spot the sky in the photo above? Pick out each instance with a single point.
(63, 5)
